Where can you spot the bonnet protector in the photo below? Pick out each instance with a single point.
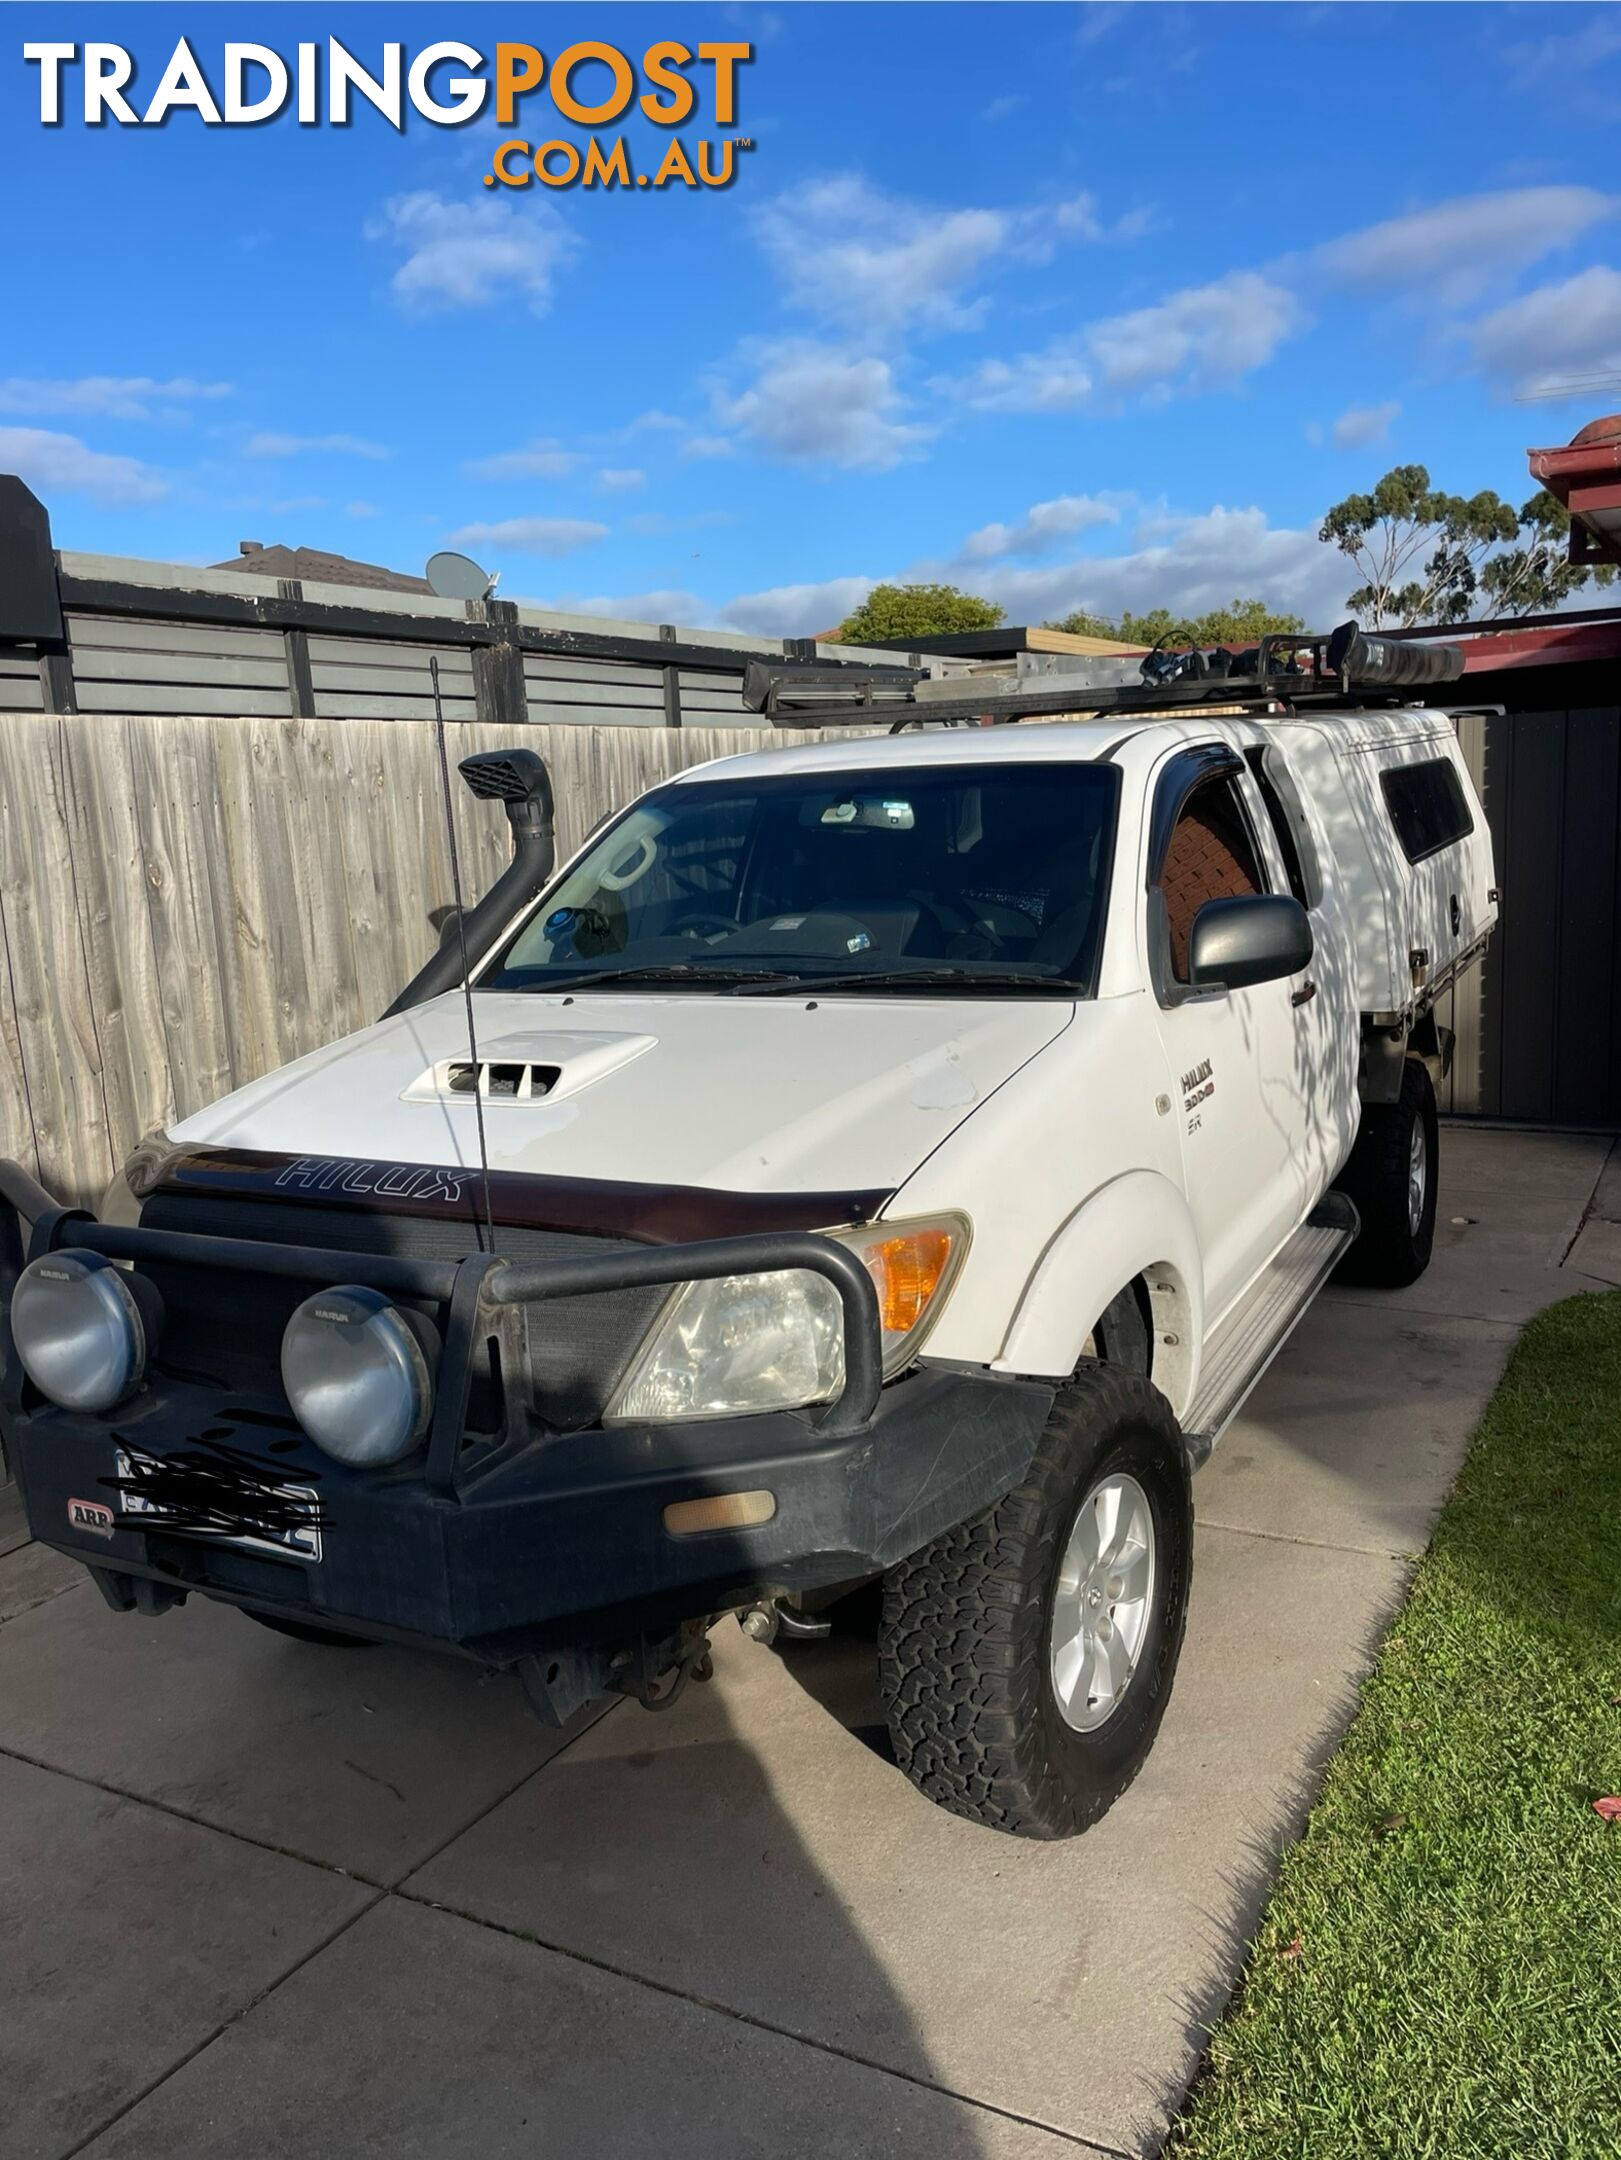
(600, 1207)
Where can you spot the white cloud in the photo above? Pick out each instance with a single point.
(1097, 19)
(1003, 108)
(286, 446)
(474, 253)
(116, 397)
(62, 464)
(1189, 564)
(1203, 337)
(1035, 233)
(817, 404)
(1568, 58)
(1133, 224)
(1360, 425)
(873, 263)
(708, 446)
(361, 510)
(1079, 215)
(844, 250)
(1210, 336)
(532, 535)
(1055, 380)
(1043, 525)
(1454, 250)
(619, 479)
(1554, 332)
(1183, 561)
(664, 604)
(543, 460)
(797, 610)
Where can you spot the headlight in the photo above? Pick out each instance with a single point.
(82, 1327)
(356, 1376)
(776, 1341)
(742, 1342)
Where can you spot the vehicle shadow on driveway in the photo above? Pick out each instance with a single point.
(840, 1672)
(688, 1851)
(635, 1948)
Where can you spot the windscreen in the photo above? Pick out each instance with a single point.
(962, 876)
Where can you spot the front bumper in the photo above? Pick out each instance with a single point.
(521, 1540)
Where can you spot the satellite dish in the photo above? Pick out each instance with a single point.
(457, 577)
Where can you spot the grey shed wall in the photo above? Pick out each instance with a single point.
(1551, 1038)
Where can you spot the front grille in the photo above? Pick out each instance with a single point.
(225, 1327)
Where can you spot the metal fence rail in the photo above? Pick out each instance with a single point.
(91, 633)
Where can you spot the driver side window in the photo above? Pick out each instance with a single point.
(1211, 857)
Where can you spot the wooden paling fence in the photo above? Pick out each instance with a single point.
(186, 903)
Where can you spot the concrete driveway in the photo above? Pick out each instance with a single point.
(260, 1898)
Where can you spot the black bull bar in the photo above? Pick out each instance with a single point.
(525, 1546)
(471, 1291)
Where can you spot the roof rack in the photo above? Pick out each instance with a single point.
(1283, 673)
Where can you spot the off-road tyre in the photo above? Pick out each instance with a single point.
(307, 1631)
(964, 1656)
(1392, 1249)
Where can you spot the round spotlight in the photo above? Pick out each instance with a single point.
(356, 1376)
(80, 1329)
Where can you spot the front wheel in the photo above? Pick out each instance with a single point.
(1391, 1176)
(1026, 1659)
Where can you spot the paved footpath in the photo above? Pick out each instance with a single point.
(263, 1899)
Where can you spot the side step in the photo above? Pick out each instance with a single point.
(1263, 1320)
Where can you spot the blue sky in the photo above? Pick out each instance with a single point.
(1094, 305)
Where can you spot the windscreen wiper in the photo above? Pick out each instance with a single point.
(773, 982)
(674, 971)
(907, 978)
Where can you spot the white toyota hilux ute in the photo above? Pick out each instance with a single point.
(887, 1159)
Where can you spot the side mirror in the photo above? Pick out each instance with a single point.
(1256, 938)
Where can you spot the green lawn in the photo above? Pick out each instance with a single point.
(1439, 1970)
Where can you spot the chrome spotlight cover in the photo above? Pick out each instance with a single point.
(82, 1328)
(357, 1376)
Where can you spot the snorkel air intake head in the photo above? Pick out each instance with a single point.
(519, 781)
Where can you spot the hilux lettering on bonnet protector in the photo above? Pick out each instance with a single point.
(396, 1181)
(602, 1207)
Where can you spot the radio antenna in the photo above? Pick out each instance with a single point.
(461, 933)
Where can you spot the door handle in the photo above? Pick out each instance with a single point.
(1305, 994)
